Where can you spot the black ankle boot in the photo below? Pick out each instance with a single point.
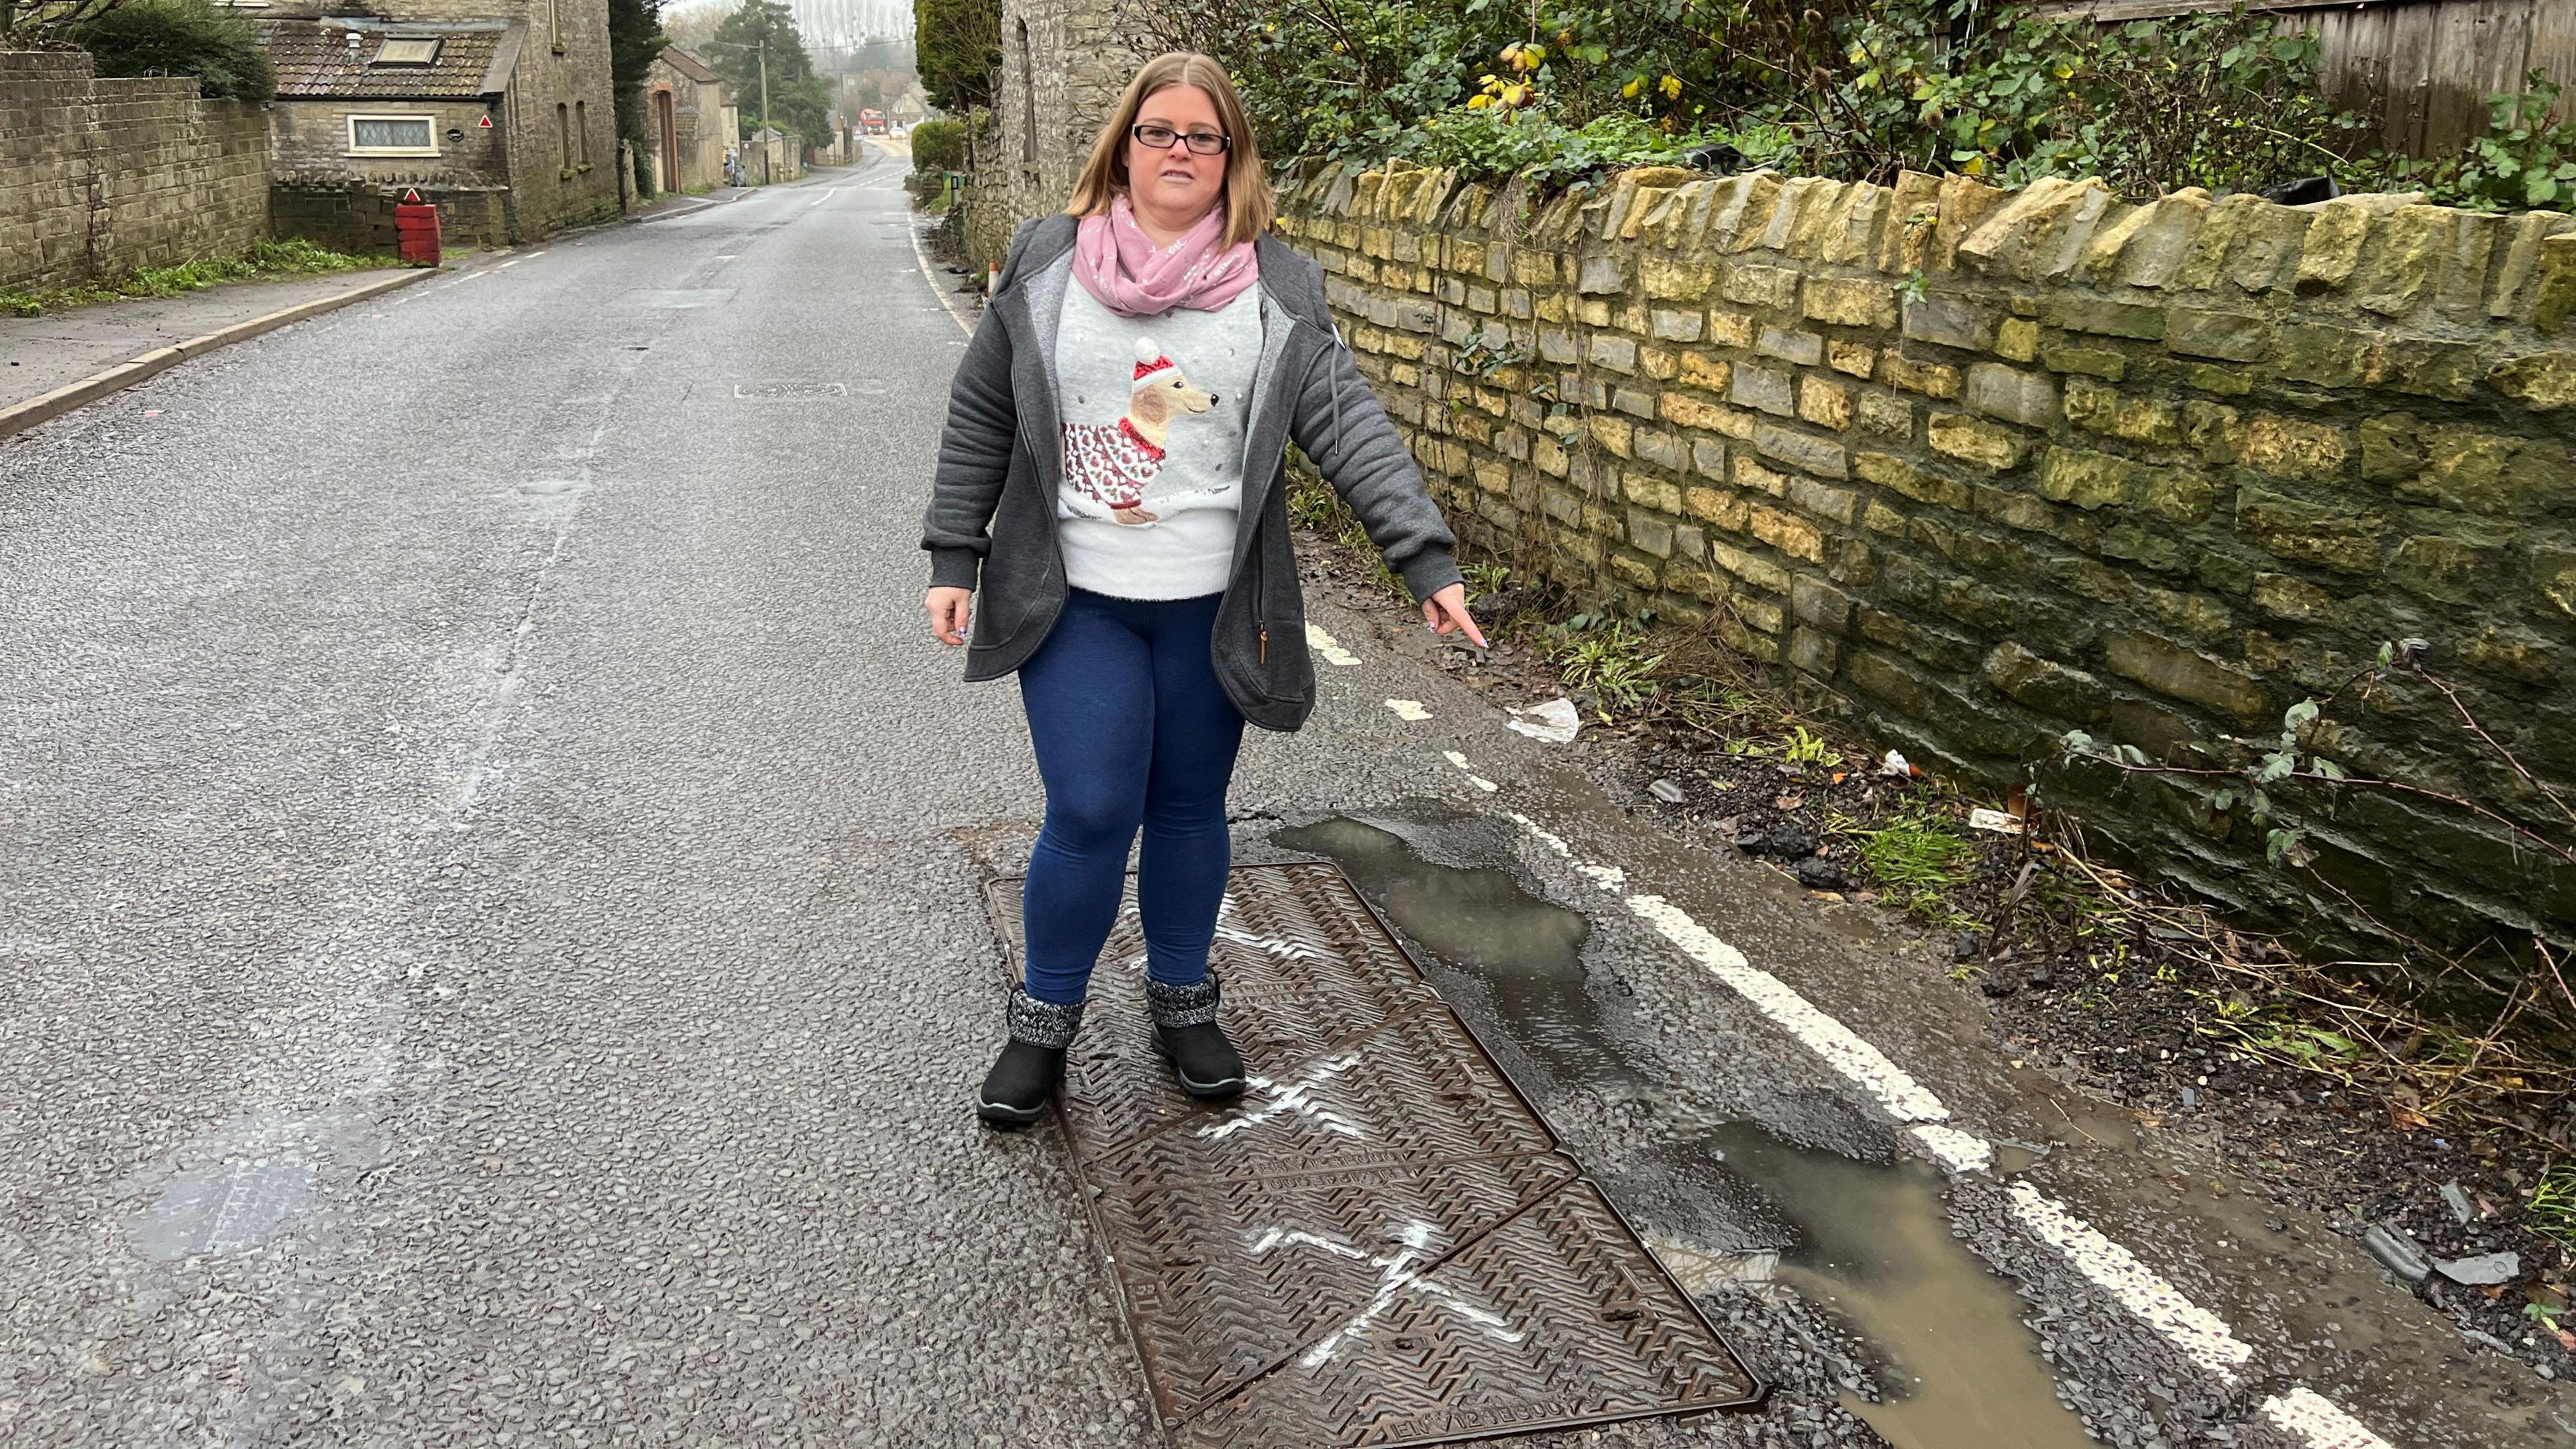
(1016, 1091)
(1185, 1030)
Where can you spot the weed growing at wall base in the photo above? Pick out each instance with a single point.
(265, 261)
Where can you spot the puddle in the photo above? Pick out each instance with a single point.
(1525, 954)
(1872, 1243)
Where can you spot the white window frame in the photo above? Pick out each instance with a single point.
(390, 41)
(430, 122)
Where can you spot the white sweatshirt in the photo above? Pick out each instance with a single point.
(1154, 415)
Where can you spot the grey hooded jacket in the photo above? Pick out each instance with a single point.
(993, 501)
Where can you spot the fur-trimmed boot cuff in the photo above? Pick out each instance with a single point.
(1038, 1023)
(1178, 1006)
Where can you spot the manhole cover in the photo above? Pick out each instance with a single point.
(1379, 1244)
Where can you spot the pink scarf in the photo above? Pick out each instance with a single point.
(1118, 264)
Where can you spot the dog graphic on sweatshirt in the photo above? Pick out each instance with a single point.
(1110, 463)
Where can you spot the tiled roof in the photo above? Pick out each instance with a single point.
(688, 65)
(313, 58)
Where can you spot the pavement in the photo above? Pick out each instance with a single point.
(55, 349)
(490, 898)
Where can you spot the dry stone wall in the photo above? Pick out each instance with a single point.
(1977, 468)
(100, 177)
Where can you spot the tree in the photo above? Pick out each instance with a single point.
(180, 37)
(797, 96)
(634, 38)
(957, 48)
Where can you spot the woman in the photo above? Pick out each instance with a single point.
(1112, 480)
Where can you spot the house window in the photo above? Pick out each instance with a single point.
(407, 50)
(581, 128)
(563, 131)
(392, 136)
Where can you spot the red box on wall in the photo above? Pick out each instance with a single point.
(416, 230)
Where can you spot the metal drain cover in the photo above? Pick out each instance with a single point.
(1379, 1243)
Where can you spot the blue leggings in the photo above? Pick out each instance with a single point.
(1131, 727)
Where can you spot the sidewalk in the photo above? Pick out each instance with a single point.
(45, 354)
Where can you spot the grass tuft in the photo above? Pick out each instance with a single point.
(264, 261)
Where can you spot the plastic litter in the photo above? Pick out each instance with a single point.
(1994, 820)
(2458, 1202)
(1670, 792)
(1555, 722)
(2398, 1253)
(2483, 1271)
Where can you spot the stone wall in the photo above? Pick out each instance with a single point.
(1063, 70)
(100, 177)
(1974, 469)
(357, 217)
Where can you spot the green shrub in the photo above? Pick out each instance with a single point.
(180, 37)
(939, 146)
(2522, 160)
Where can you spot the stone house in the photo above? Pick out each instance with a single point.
(690, 120)
(497, 110)
(772, 155)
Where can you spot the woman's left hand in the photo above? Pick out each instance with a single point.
(1446, 613)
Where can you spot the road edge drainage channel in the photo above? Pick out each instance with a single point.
(1381, 1243)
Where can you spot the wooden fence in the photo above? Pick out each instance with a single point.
(2423, 68)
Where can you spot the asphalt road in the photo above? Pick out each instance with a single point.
(490, 942)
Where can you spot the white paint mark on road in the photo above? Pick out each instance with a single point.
(2192, 1328)
(1270, 945)
(1904, 1098)
(1479, 781)
(1397, 1276)
(1953, 1149)
(826, 196)
(2201, 1336)
(1609, 877)
(921, 254)
(1331, 648)
(1297, 1096)
(1409, 710)
(2302, 1411)
(505, 266)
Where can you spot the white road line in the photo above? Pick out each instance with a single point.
(2302, 1411)
(826, 196)
(1331, 648)
(930, 278)
(1408, 710)
(2194, 1329)
(2200, 1335)
(1455, 758)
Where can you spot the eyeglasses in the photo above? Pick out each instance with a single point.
(1160, 138)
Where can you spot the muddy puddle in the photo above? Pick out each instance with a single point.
(1870, 1242)
(1523, 956)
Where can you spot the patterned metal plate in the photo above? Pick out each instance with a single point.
(1379, 1244)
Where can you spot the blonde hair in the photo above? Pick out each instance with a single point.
(1249, 206)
